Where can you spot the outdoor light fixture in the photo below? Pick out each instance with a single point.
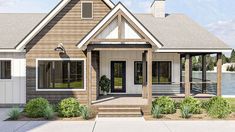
(60, 48)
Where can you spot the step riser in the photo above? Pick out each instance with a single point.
(119, 112)
(119, 115)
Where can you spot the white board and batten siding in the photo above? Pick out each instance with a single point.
(13, 91)
(130, 57)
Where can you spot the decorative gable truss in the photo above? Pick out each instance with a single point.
(119, 27)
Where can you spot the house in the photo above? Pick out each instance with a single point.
(64, 53)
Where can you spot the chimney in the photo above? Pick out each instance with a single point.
(158, 8)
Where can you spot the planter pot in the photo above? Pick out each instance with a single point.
(105, 93)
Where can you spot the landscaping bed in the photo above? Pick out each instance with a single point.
(216, 108)
(39, 109)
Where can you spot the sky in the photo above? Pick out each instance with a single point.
(218, 16)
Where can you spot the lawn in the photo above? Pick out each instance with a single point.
(232, 101)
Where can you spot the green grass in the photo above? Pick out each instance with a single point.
(232, 102)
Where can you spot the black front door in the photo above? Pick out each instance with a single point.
(118, 76)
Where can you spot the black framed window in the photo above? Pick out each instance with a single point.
(161, 72)
(138, 74)
(87, 10)
(60, 74)
(5, 69)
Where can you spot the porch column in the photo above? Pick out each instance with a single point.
(149, 74)
(204, 74)
(144, 74)
(89, 76)
(187, 75)
(219, 74)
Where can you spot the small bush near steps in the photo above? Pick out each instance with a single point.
(85, 112)
(14, 113)
(193, 104)
(35, 108)
(166, 104)
(219, 107)
(69, 107)
(157, 112)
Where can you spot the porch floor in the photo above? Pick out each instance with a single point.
(130, 100)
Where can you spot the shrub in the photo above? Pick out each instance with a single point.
(205, 104)
(185, 111)
(166, 104)
(193, 104)
(48, 113)
(85, 112)
(105, 84)
(69, 107)
(54, 107)
(35, 107)
(219, 107)
(14, 113)
(156, 112)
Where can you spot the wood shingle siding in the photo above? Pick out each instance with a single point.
(67, 28)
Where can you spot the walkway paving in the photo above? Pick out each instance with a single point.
(114, 125)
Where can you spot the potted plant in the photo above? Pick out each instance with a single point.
(105, 84)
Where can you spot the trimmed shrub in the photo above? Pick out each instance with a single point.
(48, 113)
(185, 111)
(14, 113)
(85, 112)
(157, 112)
(69, 107)
(219, 107)
(35, 107)
(166, 104)
(193, 104)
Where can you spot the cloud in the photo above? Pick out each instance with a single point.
(225, 30)
(7, 2)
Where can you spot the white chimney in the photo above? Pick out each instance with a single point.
(158, 8)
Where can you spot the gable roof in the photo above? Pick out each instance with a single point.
(20, 46)
(118, 7)
(177, 31)
(15, 26)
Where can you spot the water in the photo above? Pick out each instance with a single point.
(228, 81)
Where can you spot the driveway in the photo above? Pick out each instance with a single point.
(114, 125)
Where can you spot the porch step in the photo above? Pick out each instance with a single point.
(119, 112)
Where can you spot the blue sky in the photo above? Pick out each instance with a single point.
(218, 16)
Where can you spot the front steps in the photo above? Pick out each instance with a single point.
(119, 111)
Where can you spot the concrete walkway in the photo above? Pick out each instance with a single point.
(114, 125)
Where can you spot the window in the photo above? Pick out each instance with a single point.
(87, 10)
(161, 72)
(5, 67)
(61, 74)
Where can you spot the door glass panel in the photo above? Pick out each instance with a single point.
(118, 76)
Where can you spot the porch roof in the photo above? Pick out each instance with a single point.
(179, 32)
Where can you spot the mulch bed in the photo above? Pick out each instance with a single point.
(177, 116)
(23, 117)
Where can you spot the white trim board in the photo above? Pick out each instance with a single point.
(84, 72)
(118, 7)
(191, 50)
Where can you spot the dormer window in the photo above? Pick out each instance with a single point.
(87, 10)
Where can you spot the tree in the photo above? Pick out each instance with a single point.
(232, 58)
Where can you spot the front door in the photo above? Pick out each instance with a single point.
(118, 76)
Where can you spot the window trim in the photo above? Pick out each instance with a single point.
(11, 60)
(159, 83)
(171, 68)
(61, 59)
(92, 11)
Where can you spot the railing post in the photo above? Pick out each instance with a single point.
(204, 90)
(187, 75)
(219, 74)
